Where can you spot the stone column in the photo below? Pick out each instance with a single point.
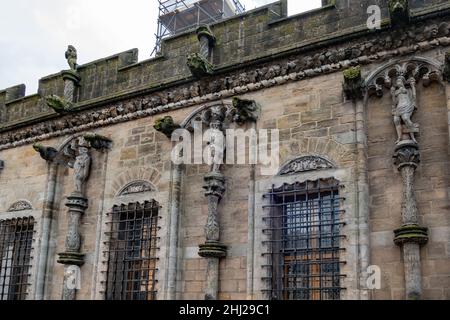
(71, 258)
(47, 218)
(173, 236)
(213, 250)
(71, 81)
(354, 89)
(411, 235)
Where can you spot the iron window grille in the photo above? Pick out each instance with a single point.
(303, 229)
(132, 251)
(16, 240)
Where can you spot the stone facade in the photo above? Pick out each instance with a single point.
(332, 124)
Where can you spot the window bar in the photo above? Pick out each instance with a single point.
(132, 254)
(307, 246)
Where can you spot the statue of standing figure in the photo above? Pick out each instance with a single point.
(404, 105)
(71, 56)
(81, 165)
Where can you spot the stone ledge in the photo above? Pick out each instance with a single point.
(411, 234)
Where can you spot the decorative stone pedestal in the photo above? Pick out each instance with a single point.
(213, 250)
(72, 259)
(71, 81)
(411, 235)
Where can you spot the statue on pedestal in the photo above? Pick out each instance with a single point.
(404, 105)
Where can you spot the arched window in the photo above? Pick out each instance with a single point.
(304, 227)
(16, 238)
(132, 259)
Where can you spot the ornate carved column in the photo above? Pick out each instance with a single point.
(76, 155)
(411, 235)
(200, 63)
(71, 77)
(213, 250)
(77, 204)
(401, 79)
(218, 118)
(72, 80)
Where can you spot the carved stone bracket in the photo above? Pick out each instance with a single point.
(46, 153)
(399, 11)
(166, 126)
(199, 65)
(446, 70)
(353, 85)
(245, 110)
(97, 141)
(59, 105)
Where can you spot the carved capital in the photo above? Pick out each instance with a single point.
(59, 105)
(353, 83)
(166, 126)
(407, 154)
(214, 185)
(199, 65)
(71, 75)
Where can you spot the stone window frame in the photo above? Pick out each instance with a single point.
(349, 253)
(35, 248)
(102, 252)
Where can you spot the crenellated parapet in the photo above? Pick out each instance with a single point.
(240, 65)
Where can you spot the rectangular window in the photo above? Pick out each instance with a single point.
(132, 252)
(304, 246)
(16, 239)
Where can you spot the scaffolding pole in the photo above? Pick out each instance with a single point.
(177, 16)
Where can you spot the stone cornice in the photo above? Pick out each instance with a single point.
(380, 46)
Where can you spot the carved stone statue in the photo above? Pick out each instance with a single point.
(81, 165)
(404, 105)
(215, 117)
(71, 56)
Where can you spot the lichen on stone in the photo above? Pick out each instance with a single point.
(60, 105)
(166, 126)
(353, 85)
(199, 66)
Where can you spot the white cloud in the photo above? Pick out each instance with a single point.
(38, 33)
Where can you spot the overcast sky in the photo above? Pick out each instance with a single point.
(35, 33)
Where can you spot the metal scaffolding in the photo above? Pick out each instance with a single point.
(177, 16)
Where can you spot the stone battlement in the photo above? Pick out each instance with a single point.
(244, 40)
